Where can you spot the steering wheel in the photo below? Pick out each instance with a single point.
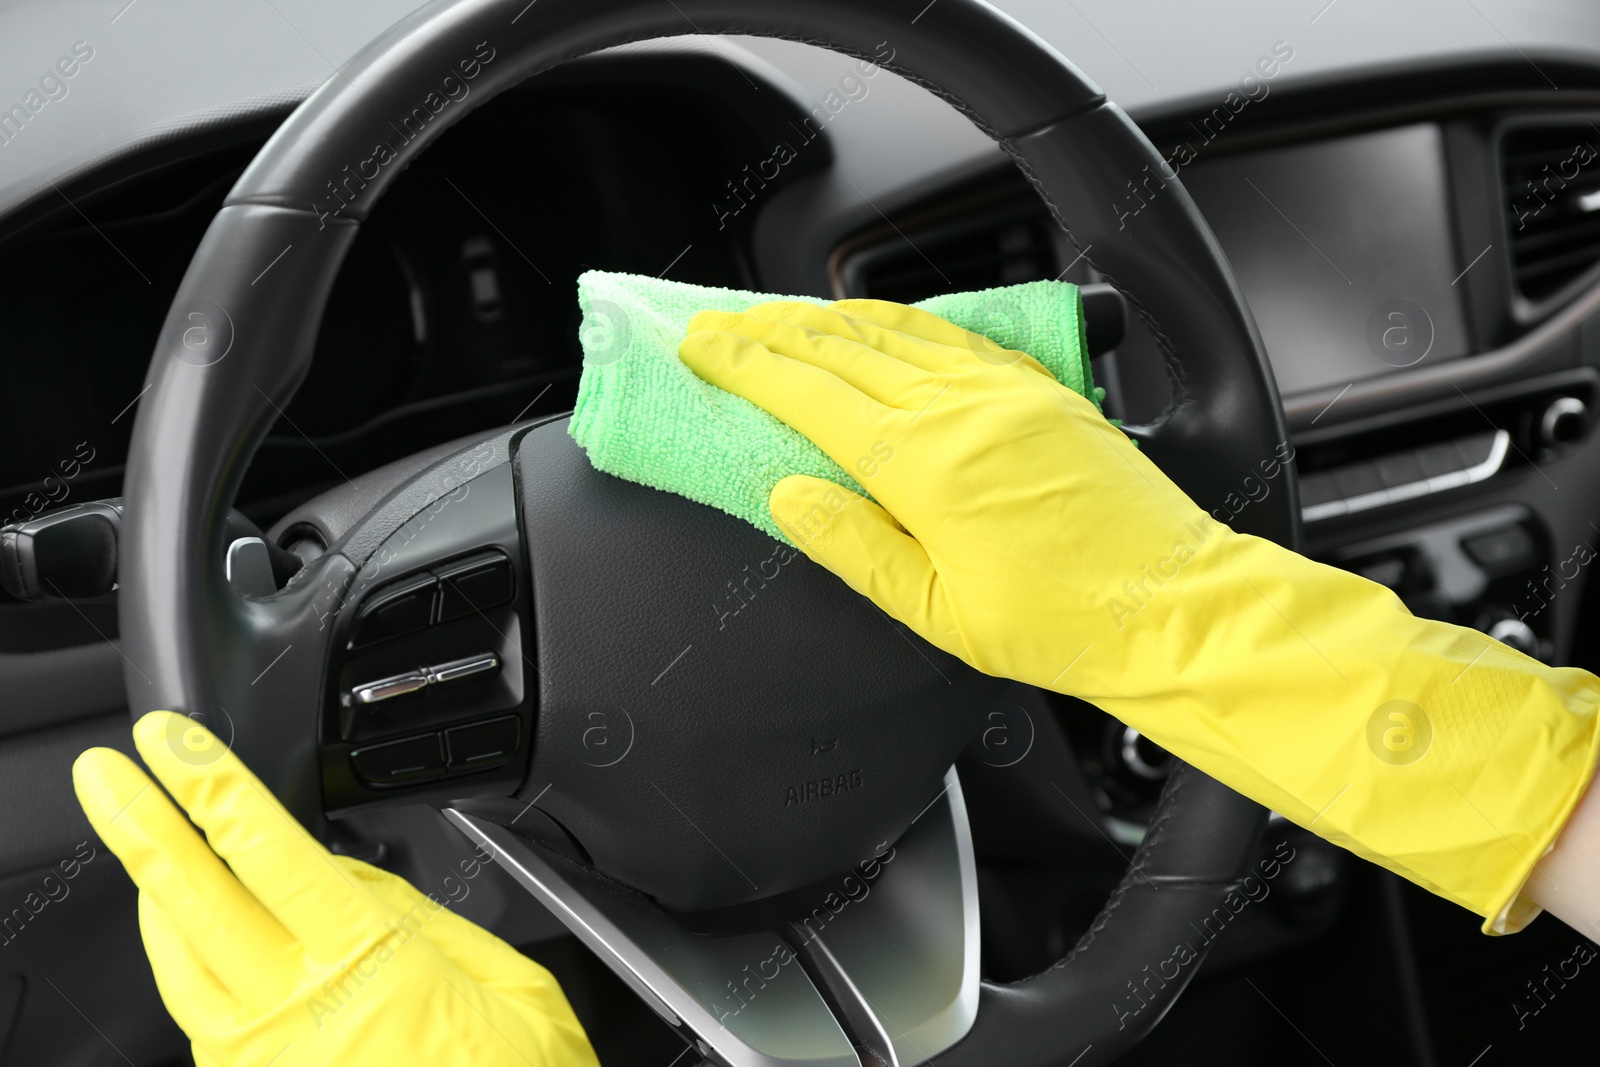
(754, 821)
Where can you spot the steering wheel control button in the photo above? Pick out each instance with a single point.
(457, 669)
(401, 609)
(483, 745)
(397, 685)
(389, 688)
(472, 585)
(416, 759)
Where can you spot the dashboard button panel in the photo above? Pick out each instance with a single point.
(1475, 449)
(1399, 470)
(1357, 480)
(1500, 550)
(1389, 479)
(1440, 459)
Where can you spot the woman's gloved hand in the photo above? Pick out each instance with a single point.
(1016, 528)
(268, 949)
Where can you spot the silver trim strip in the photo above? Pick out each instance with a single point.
(854, 1006)
(900, 956)
(685, 978)
(385, 688)
(1437, 484)
(411, 681)
(908, 952)
(458, 669)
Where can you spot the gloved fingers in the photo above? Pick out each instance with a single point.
(169, 862)
(287, 870)
(889, 381)
(836, 416)
(412, 912)
(862, 544)
(479, 953)
(961, 345)
(195, 997)
(882, 336)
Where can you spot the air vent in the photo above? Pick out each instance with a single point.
(979, 251)
(1552, 190)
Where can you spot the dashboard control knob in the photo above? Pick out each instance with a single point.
(1517, 634)
(1564, 422)
(1144, 757)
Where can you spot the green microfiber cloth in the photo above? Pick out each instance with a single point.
(643, 415)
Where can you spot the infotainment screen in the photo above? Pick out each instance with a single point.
(1344, 251)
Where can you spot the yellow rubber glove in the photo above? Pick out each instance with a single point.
(1022, 532)
(286, 954)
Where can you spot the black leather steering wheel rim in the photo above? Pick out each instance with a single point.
(301, 202)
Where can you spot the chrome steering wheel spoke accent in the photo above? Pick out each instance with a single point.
(894, 948)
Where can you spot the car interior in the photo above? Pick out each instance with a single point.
(465, 615)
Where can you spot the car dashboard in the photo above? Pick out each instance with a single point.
(1419, 245)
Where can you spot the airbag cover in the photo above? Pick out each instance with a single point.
(720, 719)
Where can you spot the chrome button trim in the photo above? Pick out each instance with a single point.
(457, 669)
(438, 674)
(387, 688)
